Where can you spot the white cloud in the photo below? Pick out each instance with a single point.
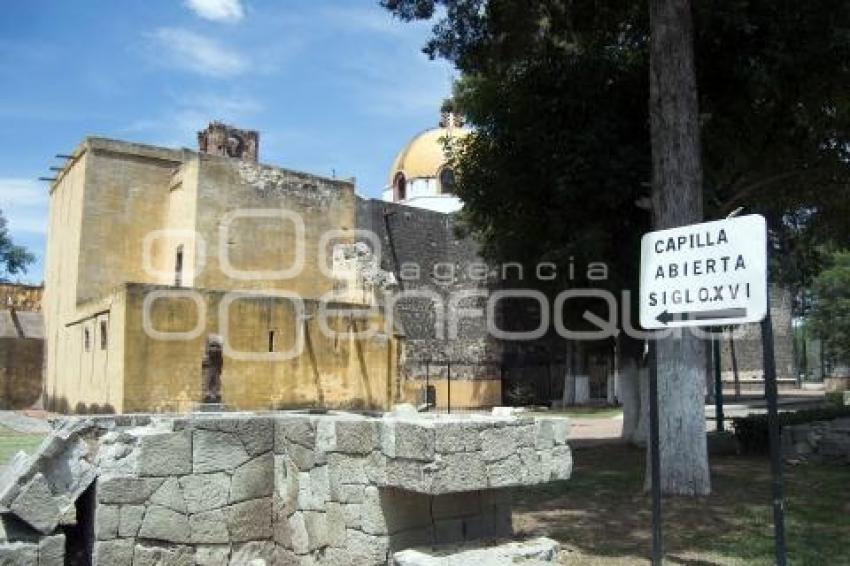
(24, 204)
(229, 11)
(191, 51)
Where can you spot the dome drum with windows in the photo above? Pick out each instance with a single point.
(420, 175)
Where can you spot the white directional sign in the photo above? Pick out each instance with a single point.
(707, 274)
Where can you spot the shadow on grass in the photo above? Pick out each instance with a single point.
(602, 512)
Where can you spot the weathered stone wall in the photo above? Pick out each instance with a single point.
(21, 366)
(430, 240)
(21, 297)
(747, 346)
(289, 488)
(822, 441)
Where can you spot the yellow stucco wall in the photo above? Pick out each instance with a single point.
(341, 371)
(118, 213)
(228, 188)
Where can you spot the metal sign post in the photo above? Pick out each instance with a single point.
(709, 274)
(770, 394)
(654, 457)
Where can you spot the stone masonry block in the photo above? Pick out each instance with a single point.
(298, 533)
(212, 555)
(458, 437)
(51, 551)
(352, 512)
(117, 552)
(545, 437)
(347, 470)
(364, 548)
(209, 527)
(317, 529)
(249, 520)
(335, 524)
(411, 440)
(130, 520)
(214, 451)
(458, 472)
(151, 555)
(106, 518)
(562, 463)
(204, 492)
(299, 430)
(123, 489)
(170, 495)
(253, 479)
(504, 473)
(166, 454)
(256, 434)
(162, 523)
(18, 554)
(36, 505)
(560, 431)
(355, 436)
(498, 443)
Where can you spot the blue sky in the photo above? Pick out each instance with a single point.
(332, 86)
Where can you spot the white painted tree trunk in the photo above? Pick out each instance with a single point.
(630, 398)
(676, 201)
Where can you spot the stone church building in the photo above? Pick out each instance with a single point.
(161, 261)
(177, 278)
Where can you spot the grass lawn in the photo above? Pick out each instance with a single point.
(12, 441)
(602, 516)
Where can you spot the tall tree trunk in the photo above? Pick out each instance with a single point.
(677, 200)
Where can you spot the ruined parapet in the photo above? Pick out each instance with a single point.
(301, 488)
(227, 141)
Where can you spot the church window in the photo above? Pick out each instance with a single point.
(400, 186)
(271, 340)
(86, 339)
(447, 181)
(104, 339)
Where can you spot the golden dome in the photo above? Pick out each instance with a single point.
(425, 154)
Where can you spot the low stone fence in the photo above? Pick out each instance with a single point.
(286, 488)
(822, 441)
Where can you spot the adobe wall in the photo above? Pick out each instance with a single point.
(21, 366)
(287, 488)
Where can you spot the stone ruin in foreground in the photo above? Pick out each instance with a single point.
(286, 488)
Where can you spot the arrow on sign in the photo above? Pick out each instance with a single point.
(667, 316)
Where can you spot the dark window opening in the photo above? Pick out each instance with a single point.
(104, 339)
(400, 186)
(447, 181)
(178, 266)
(86, 339)
(271, 340)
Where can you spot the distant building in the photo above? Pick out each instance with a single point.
(150, 250)
(21, 346)
(420, 175)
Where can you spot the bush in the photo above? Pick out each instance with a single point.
(752, 433)
(835, 398)
(519, 395)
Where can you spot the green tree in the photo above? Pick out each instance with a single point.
(14, 259)
(830, 317)
(557, 92)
